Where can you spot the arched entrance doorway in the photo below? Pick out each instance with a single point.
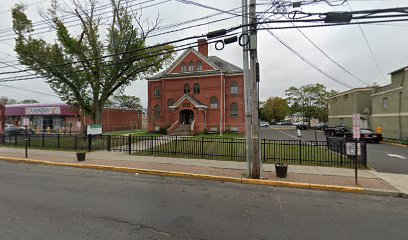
(186, 116)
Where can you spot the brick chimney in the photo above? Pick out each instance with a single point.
(203, 47)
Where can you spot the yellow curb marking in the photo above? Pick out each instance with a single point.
(193, 176)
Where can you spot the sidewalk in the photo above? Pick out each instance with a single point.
(367, 179)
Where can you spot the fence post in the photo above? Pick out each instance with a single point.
(151, 145)
(58, 141)
(130, 144)
(89, 142)
(264, 149)
(109, 143)
(300, 151)
(175, 146)
(202, 146)
(42, 140)
(15, 139)
(75, 143)
(29, 140)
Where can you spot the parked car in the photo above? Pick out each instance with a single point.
(338, 131)
(30, 130)
(12, 129)
(302, 126)
(264, 124)
(322, 126)
(285, 122)
(365, 135)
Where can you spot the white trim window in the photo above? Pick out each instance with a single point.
(213, 103)
(385, 102)
(234, 88)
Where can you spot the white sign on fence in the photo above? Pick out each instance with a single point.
(356, 125)
(26, 121)
(94, 129)
(351, 148)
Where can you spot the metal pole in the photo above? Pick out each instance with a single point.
(355, 160)
(247, 89)
(26, 142)
(256, 156)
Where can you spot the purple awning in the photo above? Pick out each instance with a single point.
(57, 109)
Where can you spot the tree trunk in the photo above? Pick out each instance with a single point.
(98, 113)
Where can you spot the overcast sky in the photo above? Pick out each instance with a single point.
(280, 68)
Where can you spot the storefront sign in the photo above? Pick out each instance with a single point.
(94, 129)
(43, 111)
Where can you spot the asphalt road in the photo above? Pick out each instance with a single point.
(44, 202)
(381, 157)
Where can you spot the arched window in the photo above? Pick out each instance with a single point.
(199, 66)
(157, 92)
(183, 67)
(156, 112)
(186, 88)
(213, 103)
(234, 88)
(191, 67)
(196, 87)
(170, 102)
(234, 110)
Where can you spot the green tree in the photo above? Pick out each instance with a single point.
(311, 100)
(6, 100)
(86, 69)
(125, 101)
(25, 101)
(275, 108)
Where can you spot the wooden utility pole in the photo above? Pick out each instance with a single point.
(247, 88)
(256, 156)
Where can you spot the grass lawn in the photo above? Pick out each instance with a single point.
(224, 135)
(133, 133)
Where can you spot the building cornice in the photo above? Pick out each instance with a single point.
(387, 91)
(351, 91)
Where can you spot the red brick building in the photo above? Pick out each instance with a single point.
(197, 92)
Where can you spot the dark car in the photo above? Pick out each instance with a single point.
(302, 126)
(366, 135)
(12, 129)
(338, 131)
(322, 126)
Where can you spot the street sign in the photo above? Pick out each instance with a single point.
(94, 129)
(356, 125)
(351, 148)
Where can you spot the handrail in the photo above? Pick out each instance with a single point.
(173, 127)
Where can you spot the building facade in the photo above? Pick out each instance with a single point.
(381, 108)
(390, 106)
(66, 118)
(342, 106)
(197, 93)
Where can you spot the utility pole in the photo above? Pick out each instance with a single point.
(256, 156)
(247, 87)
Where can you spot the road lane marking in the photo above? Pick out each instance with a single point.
(396, 155)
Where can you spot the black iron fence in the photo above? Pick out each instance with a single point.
(323, 153)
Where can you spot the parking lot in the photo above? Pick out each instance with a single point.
(381, 157)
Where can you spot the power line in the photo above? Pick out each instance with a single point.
(23, 89)
(309, 62)
(369, 48)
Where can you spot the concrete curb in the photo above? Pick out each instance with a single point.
(310, 186)
(395, 144)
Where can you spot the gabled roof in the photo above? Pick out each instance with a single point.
(192, 99)
(224, 65)
(400, 69)
(217, 63)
